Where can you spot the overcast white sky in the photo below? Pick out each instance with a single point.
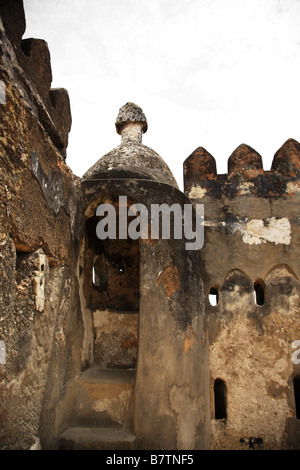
(209, 73)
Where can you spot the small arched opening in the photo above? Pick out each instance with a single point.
(259, 290)
(213, 296)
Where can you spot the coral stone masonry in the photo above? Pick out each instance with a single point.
(140, 342)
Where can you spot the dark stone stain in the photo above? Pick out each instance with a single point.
(251, 442)
(51, 184)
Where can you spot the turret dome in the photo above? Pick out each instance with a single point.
(131, 159)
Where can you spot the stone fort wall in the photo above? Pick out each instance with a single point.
(39, 241)
(251, 275)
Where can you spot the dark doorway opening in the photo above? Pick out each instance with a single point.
(259, 293)
(220, 395)
(297, 395)
(111, 271)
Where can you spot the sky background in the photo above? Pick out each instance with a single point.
(207, 73)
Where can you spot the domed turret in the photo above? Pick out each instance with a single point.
(132, 159)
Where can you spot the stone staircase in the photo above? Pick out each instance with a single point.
(103, 411)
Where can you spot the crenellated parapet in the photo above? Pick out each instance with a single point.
(246, 175)
(25, 63)
(286, 160)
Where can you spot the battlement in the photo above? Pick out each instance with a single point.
(25, 63)
(245, 173)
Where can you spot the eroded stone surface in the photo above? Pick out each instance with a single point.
(39, 237)
(251, 233)
(131, 113)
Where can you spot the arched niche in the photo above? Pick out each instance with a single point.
(236, 285)
(282, 289)
(111, 268)
(110, 279)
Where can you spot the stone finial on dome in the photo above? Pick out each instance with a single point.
(131, 160)
(131, 123)
(131, 113)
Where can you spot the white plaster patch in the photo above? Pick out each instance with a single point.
(257, 231)
(272, 230)
(209, 223)
(293, 187)
(197, 192)
(2, 353)
(39, 281)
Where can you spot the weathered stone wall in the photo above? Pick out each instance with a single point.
(171, 392)
(251, 266)
(39, 233)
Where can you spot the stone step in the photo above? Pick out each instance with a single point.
(104, 397)
(93, 438)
